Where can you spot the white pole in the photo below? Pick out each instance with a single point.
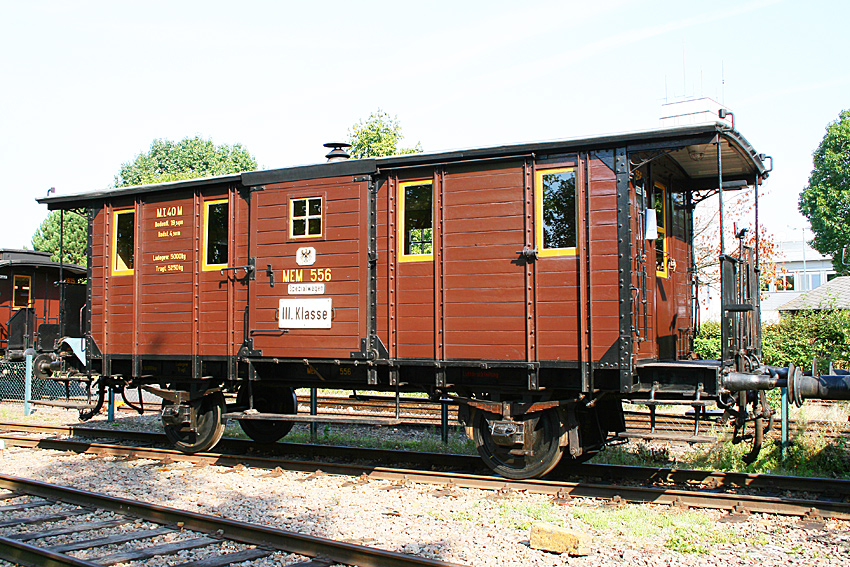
(805, 272)
(28, 385)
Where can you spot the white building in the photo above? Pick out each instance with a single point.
(799, 269)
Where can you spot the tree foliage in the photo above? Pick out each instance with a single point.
(378, 136)
(826, 200)
(187, 159)
(166, 161)
(74, 237)
(738, 209)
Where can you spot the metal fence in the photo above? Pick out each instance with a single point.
(15, 387)
(13, 381)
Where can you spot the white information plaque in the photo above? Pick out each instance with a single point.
(306, 289)
(305, 313)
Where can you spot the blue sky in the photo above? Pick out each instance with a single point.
(88, 85)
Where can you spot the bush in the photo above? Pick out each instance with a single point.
(800, 338)
(796, 338)
(707, 342)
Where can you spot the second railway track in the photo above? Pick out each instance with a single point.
(704, 489)
(91, 513)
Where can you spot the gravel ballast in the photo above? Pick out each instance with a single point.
(467, 526)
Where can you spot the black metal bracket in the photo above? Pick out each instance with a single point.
(529, 254)
(268, 332)
(247, 349)
(270, 274)
(249, 269)
(365, 353)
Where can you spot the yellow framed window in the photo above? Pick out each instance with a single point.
(555, 208)
(21, 296)
(416, 229)
(305, 217)
(123, 242)
(662, 252)
(216, 234)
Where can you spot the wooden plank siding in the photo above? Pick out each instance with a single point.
(168, 305)
(477, 298)
(340, 249)
(484, 310)
(604, 260)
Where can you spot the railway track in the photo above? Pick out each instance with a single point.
(32, 509)
(733, 492)
(421, 412)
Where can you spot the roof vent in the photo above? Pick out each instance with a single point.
(337, 152)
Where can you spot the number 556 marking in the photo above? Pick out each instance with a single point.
(320, 275)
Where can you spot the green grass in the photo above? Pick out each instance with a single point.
(641, 520)
(428, 441)
(689, 531)
(521, 514)
(809, 455)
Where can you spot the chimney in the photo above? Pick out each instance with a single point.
(337, 152)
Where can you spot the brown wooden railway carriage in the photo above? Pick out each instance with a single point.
(518, 279)
(34, 311)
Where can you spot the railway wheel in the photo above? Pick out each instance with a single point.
(205, 414)
(41, 373)
(268, 400)
(511, 461)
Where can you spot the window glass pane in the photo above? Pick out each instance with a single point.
(789, 283)
(559, 210)
(22, 292)
(315, 227)
(816, 280)
(124, 240)
(660, 217)
(217, 217)
(307, 217)
(660, 253)
(418, 217)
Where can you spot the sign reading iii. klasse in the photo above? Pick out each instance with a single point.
(305, 313)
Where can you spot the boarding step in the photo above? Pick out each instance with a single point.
(323, 418)
(681, 437)
(63, 404)
(693, 403)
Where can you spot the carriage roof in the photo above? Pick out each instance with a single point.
(693, 148)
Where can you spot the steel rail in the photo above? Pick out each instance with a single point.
(653, 475)
(234, 446)
(413, 414)
(560, 489)
(22, 553)
(243, 532)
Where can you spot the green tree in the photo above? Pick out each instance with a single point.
(378, 136)
(187, 159)
(74, 237)
(166, 161)
(826, 200)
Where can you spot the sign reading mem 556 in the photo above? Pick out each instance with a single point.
(311, 275)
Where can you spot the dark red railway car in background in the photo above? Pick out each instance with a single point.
(539, 285)
(41, 302)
